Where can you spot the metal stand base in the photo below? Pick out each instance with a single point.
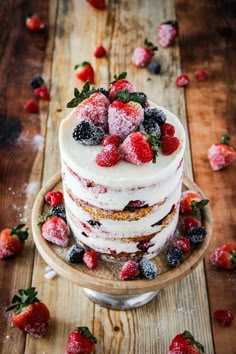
(120, 302)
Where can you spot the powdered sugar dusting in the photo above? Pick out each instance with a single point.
(38, 142)
(32, 188)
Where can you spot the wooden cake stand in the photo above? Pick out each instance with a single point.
(102, 285)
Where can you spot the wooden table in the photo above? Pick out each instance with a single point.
(29, 146)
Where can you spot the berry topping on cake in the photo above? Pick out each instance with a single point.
(129, 271)
(135, 204)
(100, 52)
(182, 80)
(167, 129)
(147, 269)
(221, 155)
(189, 222)
(167, 32)
(84, 72)
(90, 259)
(155, 114)
(103, 91)
(150, 126)
(108, 156)
(75, 254)
(185, 343)
(12, 241)
(183, 244)
(59, 210)
(144, 245)
(142, 99)
(55, 230)
(139, 148)
(224, 317)
(224, 257)
(174, 256)
(53, 198)
(31, 107)
(154, 67)
(125, 114)
(201, 75)
(112, 139)
(36, 82)
(35, 23)
(88, 134)
(169, 144)
(98, 4)
(196, 235)
(119, 84)
(143, 55)
(191, 202)
(94, 223)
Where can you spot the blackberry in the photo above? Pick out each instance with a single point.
(36, 82)
(147, 269)
(154, 67)
(196, 235)
(156, 114)
(150, 126)
(143, 98)
(94, 223)
(88, 134)
(103, 91)
(59, 210)
(75, 254)
(174, 257)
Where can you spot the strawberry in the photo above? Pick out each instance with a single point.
(201, 75)
(81, 341)
(167, 129)
(191, 201)
(84, 72)
(112, 139)
(119, 84)
(183, 244)
(35, 23)
(12, 241)
(221, 155)
(42, 92)
(92, 106)
(108, 156)
(55, 230)
(31, 107)
(98, 4)
(90, 259)
(224, 317)
(182, 80)
(143, 55)
(100, 52)
(125, 114)
(224, 257)
(169, 144)
(129, 271)
(189, 222)
(53, 198)
(167, 32)
(30, 314)
(184, 343)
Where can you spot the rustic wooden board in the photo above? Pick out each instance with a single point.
(211, 111)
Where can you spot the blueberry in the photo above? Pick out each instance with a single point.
(75, 254)
(36, 82)
(88, 134)
(154, 67)
(174, 257)
(147, 269)
(156, 114)
(59, 210)
(103, 91)
(196, 235)
(150, 126)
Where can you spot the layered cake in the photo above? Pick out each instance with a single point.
(127, 207)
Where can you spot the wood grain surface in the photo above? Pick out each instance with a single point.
(29, 146)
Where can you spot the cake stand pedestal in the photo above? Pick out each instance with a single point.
(102, 285)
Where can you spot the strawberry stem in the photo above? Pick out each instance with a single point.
(27, 298)
(154, 143)
(150, 45)
(121, 76)
(233, 257)
(126, 96)
(21, 234)
(81, 96)
(189, 336)
(87, 334)
(170, 22)
(225, 139)
(198, 205)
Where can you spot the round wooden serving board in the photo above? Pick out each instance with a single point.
(105, 278)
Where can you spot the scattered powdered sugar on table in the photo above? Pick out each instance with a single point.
(32, 188)
(37, 141)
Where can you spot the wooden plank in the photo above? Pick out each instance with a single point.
(211, 110)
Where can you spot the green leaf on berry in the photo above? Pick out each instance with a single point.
(28, 297)
(198, 205)
(192, 341)
(225, 139)
(81, 65)
(154, 143)
(81, 96)
(170, 22)
(22, 234)
(126, 96)
(150, 45)
(121, 76)
(87, 334)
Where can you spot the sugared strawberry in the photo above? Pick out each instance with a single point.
(35, 23)
(183, 244)
(201, 75)
(98, 4)
(189, 222)
(224, 317)
(169, 144)
(112, 139)
(81, 341)
(31, 107)
(191, 201)
(167, 32)
(55, 230)
(108, 156)
(129, 271)
(12, 241)
(119, 84)
(139, 148)
(42, 92)
(143, 55)
(53, 198)
(84, 72)
(185, 343)
(182, 80)
(125, 114)
(224, 257)
(100, 52)
(167, 129)
(30, 314)
(221, 155)
(90, 259)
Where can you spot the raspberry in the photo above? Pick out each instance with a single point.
(88, 134)
(53, 198)
(201, 75)
(55, 230)
(129, 271)
(36, 82)
(167, 129)
(182, 80)
(183, 244)
(224, 317)
(42, 92)
(31, 107)
(108, 156)
(156, 114)
(174, 256)
(189, 222)
(196, 235)
(90, 259)
(75, 254)
(147, 269)
(112, 139)
(100, 52)
(169, 144)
